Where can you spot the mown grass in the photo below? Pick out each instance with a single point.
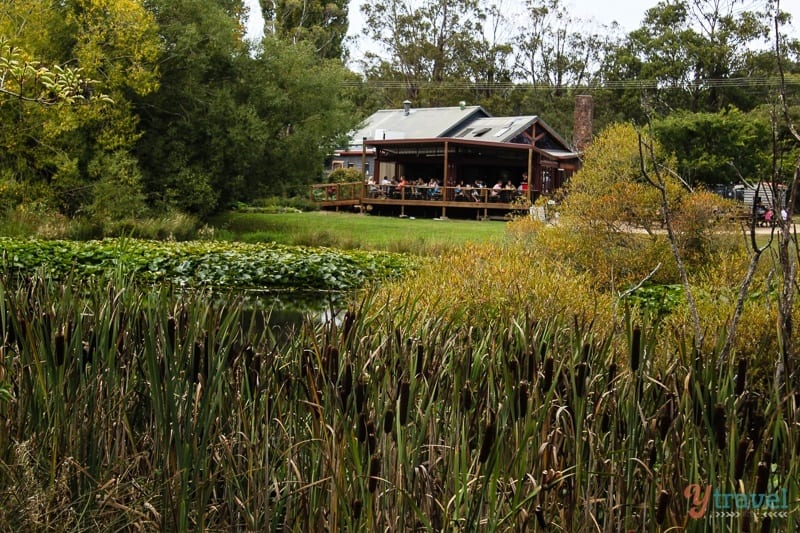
(353, 231)
(158, 410)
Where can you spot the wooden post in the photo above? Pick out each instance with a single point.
(444, 180)
(364, 188)
(530, 170)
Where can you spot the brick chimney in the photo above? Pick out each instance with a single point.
(582, 122)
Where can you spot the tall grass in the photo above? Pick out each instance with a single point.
(145, 408)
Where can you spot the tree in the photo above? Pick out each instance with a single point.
(713, 148)
(47, 151)
(228, 123)
(424, 46)
(322, 24)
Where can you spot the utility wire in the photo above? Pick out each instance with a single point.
(773, 81)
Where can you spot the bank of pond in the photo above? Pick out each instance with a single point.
(152, 407)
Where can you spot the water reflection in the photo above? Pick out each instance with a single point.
(285, 313)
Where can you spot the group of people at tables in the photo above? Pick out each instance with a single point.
(419, 189)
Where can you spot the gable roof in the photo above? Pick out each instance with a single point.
(421, 123)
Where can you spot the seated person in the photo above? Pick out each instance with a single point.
(496, 189)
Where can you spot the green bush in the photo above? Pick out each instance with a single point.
(344, 175)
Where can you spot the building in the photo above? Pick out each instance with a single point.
(460, 148)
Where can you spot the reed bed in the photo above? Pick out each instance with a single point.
(142, 408)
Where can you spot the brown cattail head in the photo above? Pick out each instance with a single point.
(718, 421)
(766, 524)
(346, 384)
(532, 365)
(488, 440)
(374, 472)
(521, 400)
(402, 402)
(741, 457)
(539, 512)
(355, 508)
(612, 374)
(420, 360)
(331, 361)
(636, 348)
(372, 437)
(605, 422)
(741, 375)
(347, 325)
(466, 397)
(547, 378)
(172, 328)
(60, 348)
(581, 373)
(361, 394)
(664, 498)
(361, 428)
(762, 478)
(388, 421)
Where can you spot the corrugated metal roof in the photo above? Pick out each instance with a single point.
(495, 129)
(423, 123)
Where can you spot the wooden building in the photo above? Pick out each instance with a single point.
(454, 158)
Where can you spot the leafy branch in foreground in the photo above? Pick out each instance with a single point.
(31, 81)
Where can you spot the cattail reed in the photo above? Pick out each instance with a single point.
(718, 421)
(532, 365)
(171, 330)
(741, 375)
(346, 384)
(766, 524)
(372, 437)
(347, 325)
(361, 394)
(488, 440)
(547, 379)
(612, 375)
(60, 348)
(374, 472)
(539, 512)
(741, 456)
(762, 477)
(331, 361)
(420, 361)
(402, 402)
(388, 421)
(636, 348)
(587, 351)
(521, 400)
(355, 508)
(662, 506)
(581, 373)
(362, 428)
(605, 422)
(466, 397)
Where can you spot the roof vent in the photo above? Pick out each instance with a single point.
(407, 107)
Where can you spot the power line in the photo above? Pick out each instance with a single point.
(771, 81)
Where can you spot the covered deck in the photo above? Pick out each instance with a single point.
(466, 172)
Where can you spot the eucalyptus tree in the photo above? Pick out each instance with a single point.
(321, 23)
(423, 47)
(689, 54)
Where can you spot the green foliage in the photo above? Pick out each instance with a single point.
(345, 175)
(716, 147)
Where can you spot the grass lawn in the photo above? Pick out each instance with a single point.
(354, 231)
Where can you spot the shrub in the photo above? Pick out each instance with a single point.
(344, 175)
